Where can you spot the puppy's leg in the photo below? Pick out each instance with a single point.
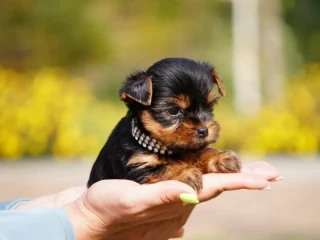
(182, 172)
(217, 161)
(151, 169)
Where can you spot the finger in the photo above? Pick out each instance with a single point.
(165, 192)
(156, 202)
(179, 233)
(158, 229)
(139, 203)
(215, 184)
(155, 215)
(168, 228)
(160, 214)
(263, 169)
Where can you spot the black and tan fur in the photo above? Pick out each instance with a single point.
(173, 102)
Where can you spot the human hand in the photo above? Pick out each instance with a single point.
(121, 209)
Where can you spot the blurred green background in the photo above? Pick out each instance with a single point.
(62, 62)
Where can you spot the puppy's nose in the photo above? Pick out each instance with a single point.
(202, 132)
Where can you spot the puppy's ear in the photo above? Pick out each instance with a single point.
(138, 88)
(218, 81)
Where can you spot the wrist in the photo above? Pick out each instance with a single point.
(47, 201)
(79, 227)
(58, 199)
(86, 224)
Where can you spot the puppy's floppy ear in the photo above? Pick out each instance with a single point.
(138, 88)
(218, 81)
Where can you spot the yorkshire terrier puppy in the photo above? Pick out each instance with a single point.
(168, 127)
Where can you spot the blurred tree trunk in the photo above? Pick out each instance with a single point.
(246, 70)
(272, 48)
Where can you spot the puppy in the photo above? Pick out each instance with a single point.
(168, 128)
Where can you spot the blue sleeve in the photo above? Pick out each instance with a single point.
(12, 204)
(36, 224)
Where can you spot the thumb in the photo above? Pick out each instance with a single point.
(168, 192)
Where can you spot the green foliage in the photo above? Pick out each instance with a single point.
(50, 113)
(303, 17)
(288, 126)
(49, 33)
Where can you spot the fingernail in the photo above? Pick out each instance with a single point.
(189, 198)
(278, 178)
(267, 188)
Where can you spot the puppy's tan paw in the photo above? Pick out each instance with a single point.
(225, 162)
(192, 177)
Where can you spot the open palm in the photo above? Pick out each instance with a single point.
(122, 209)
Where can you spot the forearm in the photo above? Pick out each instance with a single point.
(39, 218)
(47, 201)
(58, 199)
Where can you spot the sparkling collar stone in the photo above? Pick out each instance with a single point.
(146, 141)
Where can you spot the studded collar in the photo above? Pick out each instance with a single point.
(146, 141)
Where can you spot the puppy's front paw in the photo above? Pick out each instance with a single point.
(225, 162)
(192, 177)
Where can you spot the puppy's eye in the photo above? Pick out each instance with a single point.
(174, 111)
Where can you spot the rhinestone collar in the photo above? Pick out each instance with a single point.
(146, 141)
